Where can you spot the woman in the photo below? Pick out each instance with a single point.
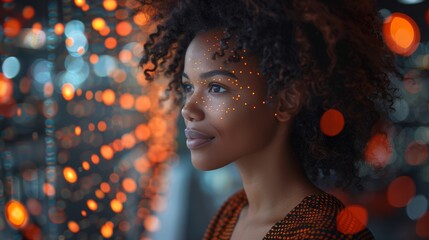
(256, 79)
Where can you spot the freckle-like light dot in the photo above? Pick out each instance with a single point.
(107, 152)
(352, 219)
(73, 226)
(108, 97)
(401, 34)
(129, 185)
(11, 27)
(400, 191)
(91, 204)
(107, 229)
(16, 214)
(68, 91)
(59, 28)
(28, 12)
(116, 205)
(6, 89)
(70, 175)
(110, 5)
(98, 23)
(332, 122)
(378, 150)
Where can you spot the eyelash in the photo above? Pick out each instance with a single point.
(211, 85)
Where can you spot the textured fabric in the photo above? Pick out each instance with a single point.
(315, 217)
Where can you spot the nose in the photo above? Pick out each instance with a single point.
(192, 110)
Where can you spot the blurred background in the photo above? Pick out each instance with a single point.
(87, 151)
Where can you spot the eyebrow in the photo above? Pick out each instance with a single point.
(213, 73)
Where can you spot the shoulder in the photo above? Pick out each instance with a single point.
(225, 215)
(323, 216)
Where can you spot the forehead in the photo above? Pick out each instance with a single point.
(205, 44)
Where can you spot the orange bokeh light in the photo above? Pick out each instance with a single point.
(11, 27)
(77, 131)
(400, 191)
(352, 219)
(124, 28)
(378, 150)
(141, 18)
(28, 12)
(37, 26)
(110, 43)
(102, 126)
(151, 223)
(70, 175)
(73, 226)
(107, 152)
(6, 89)
(108, 97)
(332, 122)
(416, 153)
(95, 159)
(143, 103)
(59, 28)
(85, 165)
(401, 34)
(116, 205)
(68, 91)
(105, 187)
(93, 59)
(142, 132)
(80, 3)
(91, 204)
(48, 189)
(126, 101)
(110, 5)
(107, 229)
(128, 140)
(129, 185)
(16, 214)
(98, 23)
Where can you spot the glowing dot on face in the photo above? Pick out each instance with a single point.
(248, 87)
(241, 72)
(254, 107)
(245, 104)
(253, 93)
(233, 109)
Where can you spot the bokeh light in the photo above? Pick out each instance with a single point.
(332, 122)
(401, 34)
(401, 191)
(70, 175)
(16, 214)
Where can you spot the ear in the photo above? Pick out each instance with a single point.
(288, 103)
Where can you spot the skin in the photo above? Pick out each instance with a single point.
(248, 132)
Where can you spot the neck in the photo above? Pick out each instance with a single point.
(273, 181)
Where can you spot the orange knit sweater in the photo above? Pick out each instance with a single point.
(314, 218)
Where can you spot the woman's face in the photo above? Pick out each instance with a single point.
(224, 105)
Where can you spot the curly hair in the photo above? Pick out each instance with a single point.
(330, 51)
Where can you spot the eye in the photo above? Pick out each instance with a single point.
(187, 88)
(216, 88)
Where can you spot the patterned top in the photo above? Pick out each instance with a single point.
(317, 216)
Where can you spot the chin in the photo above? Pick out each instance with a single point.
(204, 165)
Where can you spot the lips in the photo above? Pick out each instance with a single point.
(197, 139)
